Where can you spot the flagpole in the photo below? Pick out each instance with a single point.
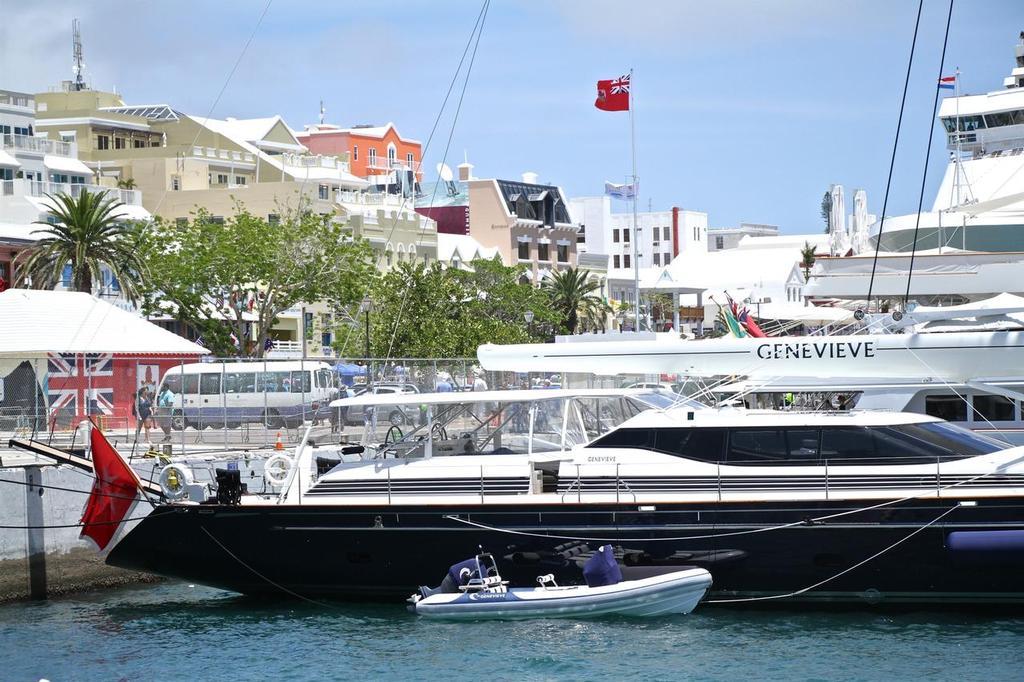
(636, 191)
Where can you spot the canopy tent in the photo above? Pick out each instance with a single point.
(348, 371)
(37, 323)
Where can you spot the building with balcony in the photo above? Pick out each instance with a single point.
(377, 153)
(33, 166)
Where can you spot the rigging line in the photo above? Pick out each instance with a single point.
(426, 148)
(89, 524)
(752, 531)
(444, 156)
(892, 160)
(265, 578)
(47, 486)
(840, 573)
(927, 155)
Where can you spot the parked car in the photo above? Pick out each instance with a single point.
(397, 415)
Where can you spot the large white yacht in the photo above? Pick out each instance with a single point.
(980, 203)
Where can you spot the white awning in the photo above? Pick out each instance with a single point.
(66, 164)
(132, 212)
(7, 160)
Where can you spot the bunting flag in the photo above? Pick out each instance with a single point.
(728, 318)
(613, 95)
(747, 320)
(114, 494)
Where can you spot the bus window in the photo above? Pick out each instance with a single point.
(173, 382)
(240, 382)
(209, 384)
(300, 382)
(190, 384)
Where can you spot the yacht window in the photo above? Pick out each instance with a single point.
(949, 440)
(627, 438)
(702, 445)
(803, 445)
(845, 443)
(757, 446)
(952, 408)
(993, 408)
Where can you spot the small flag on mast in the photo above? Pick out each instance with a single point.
(613, 95)
(947, 83)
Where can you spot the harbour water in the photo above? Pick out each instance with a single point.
(174, 631)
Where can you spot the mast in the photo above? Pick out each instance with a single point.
(959, 151)
(636, 191)
(76, 56)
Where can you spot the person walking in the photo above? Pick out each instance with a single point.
(143, 413)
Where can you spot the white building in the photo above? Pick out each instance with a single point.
(658, 238)
(721, 238)
(33, 166)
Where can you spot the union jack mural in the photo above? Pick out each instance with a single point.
(81, 385)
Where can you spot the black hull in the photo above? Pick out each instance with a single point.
(386, 551)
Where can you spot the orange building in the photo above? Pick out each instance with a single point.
(371, 150)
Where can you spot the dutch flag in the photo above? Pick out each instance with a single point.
(947, 83)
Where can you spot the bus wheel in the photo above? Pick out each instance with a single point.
(272, 419)
(178, 421)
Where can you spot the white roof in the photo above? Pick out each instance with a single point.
(41, 322)
(8, 160)
(463, 247)
(820, 242)
(131, 212)
(20, 231)
(66, 164)
(368, 131)
(785, 310)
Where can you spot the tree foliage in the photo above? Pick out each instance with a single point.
(573, 294)
(807, 259)
(86, 234)
(435, 312)
(219, 275)
(826, 209)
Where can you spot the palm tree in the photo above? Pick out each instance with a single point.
(573, 294)
(86, 234)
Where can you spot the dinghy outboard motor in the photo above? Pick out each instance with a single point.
(458, 576)
(602, 568)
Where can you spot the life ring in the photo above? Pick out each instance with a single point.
(277, 468)
(174, 481)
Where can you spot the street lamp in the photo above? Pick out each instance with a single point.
(365, 307)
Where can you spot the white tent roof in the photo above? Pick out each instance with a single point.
(66, 164)
(41, 322)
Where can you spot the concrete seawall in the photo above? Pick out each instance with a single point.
(38, 558)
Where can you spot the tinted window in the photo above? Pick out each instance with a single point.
(847, 443)
(952, 408)
(627, 438)
(803, 445)
(994, 408)
(757, 446)
(949, 440)
(209, 384)
(702, 445)
(300, 382)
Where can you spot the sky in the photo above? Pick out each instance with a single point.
(745, 110)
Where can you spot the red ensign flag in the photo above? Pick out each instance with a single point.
(114, 493)
(613, 95)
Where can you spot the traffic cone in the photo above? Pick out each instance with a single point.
(279, 445)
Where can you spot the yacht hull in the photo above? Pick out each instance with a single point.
(384, 551)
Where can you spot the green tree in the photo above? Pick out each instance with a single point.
(826, 209)
(220, 275)
(126, 183)
(86, 234)
(432, 311)
(807, 259)
(573, 294)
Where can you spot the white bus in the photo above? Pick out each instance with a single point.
(277, 394)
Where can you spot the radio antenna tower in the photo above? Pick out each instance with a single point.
(77, 66)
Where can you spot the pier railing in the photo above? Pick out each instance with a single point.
(46, 397)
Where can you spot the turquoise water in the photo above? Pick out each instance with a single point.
(175, 632)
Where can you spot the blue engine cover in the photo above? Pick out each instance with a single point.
(602, 568)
